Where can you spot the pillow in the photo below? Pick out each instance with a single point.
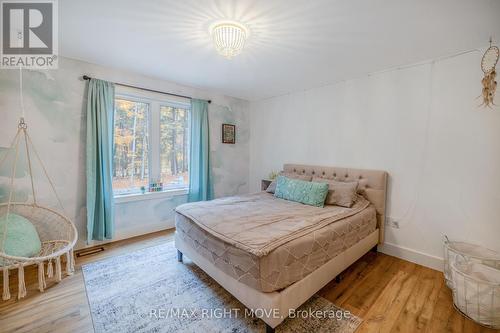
(272, 187)
(302, 191)
(339, 193)
(22, 238)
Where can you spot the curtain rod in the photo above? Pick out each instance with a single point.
(87, 78)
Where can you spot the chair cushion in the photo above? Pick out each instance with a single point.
(22, 238)
(305, 192)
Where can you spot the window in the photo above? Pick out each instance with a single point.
(173, 146)
(131, 151)
(151, 150)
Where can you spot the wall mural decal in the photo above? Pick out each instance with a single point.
(488, 63)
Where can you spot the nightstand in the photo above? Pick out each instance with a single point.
(264, 184)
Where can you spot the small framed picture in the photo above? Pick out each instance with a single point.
(228, 133)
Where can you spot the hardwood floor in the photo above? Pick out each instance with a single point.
(394, 295)
(389, 294)
(63, 307)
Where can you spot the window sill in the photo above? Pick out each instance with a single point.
(149, 195)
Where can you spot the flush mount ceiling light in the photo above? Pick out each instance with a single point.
(229, 37)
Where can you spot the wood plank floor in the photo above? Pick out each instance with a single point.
(389, 294)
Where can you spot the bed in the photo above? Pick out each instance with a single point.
(274, 254)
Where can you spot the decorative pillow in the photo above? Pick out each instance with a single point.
(22, 238)
(362, 183)
(272, 187)
(302, 191)
(339, 193)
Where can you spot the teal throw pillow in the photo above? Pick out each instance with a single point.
(22, 238)
(302, 191)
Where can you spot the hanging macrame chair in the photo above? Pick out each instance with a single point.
(57, 233)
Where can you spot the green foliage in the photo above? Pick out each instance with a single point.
(173, 140)
(131, 148)
(273, 174)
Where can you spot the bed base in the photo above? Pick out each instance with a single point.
(292, 296)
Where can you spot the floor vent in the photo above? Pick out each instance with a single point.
(90, 252)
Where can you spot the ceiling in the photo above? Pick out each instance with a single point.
(294, 44)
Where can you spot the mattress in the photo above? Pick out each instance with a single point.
(289, 260)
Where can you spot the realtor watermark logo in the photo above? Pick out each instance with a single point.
(219, 313)
(29, 34)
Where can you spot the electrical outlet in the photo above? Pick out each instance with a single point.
(393, 223)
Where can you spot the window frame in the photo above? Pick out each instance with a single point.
(155, 102)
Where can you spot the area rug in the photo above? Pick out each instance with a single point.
(149, 291)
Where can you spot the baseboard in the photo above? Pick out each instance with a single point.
(417, 257)
(123, 233)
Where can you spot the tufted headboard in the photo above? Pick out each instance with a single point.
(372, 183)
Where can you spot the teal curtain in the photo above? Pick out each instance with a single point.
(200, 182)
(100, 123)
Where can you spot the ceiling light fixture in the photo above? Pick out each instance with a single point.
(229, 37)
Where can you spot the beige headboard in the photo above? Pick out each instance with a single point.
(373, 184)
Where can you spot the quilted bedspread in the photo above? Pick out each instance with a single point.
(259, 223)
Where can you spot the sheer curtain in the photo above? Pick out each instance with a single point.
(200, 180)
(100, 114)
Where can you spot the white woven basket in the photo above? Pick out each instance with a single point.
(476, 292)
(471, 252)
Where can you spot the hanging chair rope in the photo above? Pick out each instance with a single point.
(45, 172)
(14, 167)
(21, 289)
(70, 263)
(41, 277)
(12, 144)
(21, 98)
(50, 269)
(6, 290)
(58, 269)
(13, 175)
(28, 155)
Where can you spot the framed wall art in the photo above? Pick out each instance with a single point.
(228, 133)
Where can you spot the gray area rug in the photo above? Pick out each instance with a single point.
(149, 291)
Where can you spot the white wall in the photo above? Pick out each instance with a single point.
(422, 125)
(55, 111)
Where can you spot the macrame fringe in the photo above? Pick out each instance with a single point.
(6, 290)
(41, 277)
(50, 269)
(58, 269)
(70, 264)
(22, 286)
